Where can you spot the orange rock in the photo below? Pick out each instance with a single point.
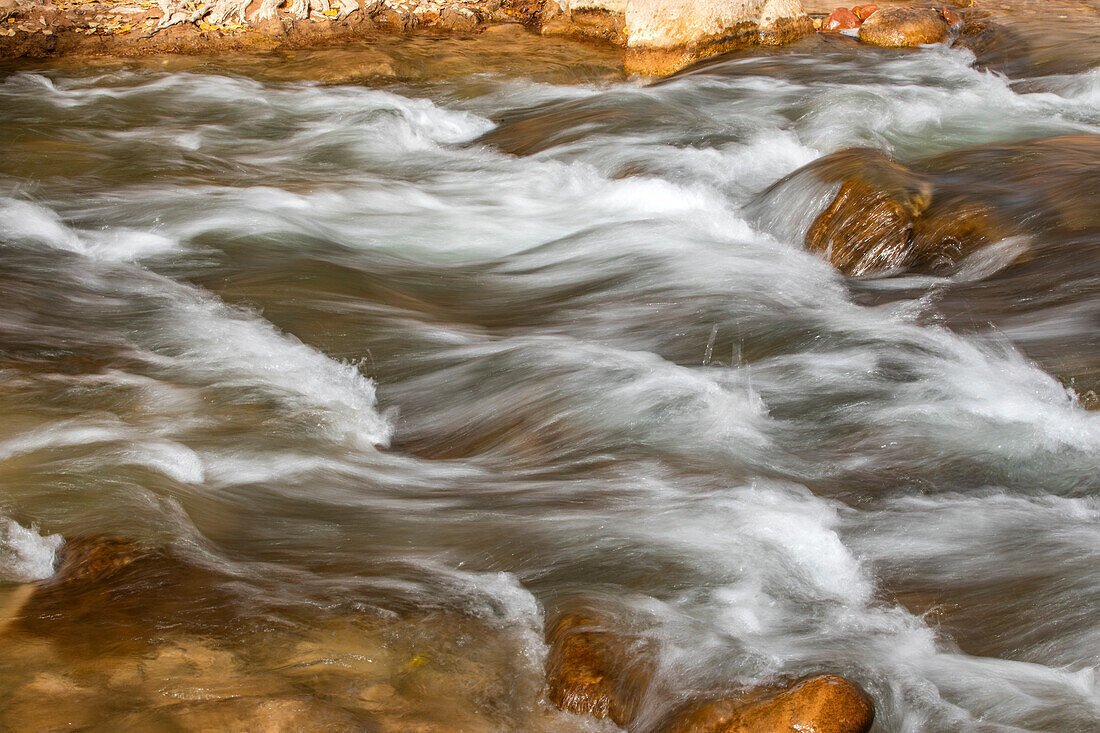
(825, 704)
(592, 669)
(863, 12)
(950, 16)
(867, 228)
(841, 19)
(901, 27)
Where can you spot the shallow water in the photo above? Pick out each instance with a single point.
(398, 363)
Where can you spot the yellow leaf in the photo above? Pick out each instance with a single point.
(331, 13)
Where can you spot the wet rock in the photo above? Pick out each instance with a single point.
(868, 226)
(82, 559)
(993, 44)
(49, 702)
(395, 18)
(533, 13)
(867, 214)
(841, 19)
(1060, 175)
(112, 592)
(825, 704)
(596, 670)
(951, 229)
(900, 27)
(286, 715)
(863, 12)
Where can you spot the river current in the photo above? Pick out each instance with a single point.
(448, 349)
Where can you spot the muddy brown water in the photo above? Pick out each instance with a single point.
(374, 356)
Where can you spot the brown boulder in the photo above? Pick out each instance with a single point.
(594, 669)
(868, 226)
(825, 704)
(929, 215)
(901, 27)
(841, 19)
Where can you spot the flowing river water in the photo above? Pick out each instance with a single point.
(395, 357)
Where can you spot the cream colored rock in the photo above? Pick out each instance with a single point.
(676, 23)
(664, 35)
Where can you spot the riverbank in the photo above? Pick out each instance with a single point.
(37, 29)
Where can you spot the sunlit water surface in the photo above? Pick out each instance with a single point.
(403, 381)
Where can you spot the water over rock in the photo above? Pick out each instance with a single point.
(595, 669)
(868, 226)
(109, 591)
(900, 27)
(887, 217)
(824, 704)
(599, 666)
(873, 215)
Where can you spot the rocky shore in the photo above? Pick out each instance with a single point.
(656, 37)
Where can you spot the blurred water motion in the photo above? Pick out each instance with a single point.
(367, 374)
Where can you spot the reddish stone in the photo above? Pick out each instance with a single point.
(825, 704)
(863, 12)
(841, 19)
(596, 670)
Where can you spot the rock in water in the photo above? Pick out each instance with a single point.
(867, 214)
(868, 226)
(825, 704)
(902, 27)
(841, 19)
(593, 669)
(863, 12)
(113, 592)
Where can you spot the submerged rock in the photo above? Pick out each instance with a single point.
(901, 27)
(111, 592)
(595, 670)
(867, 214)
(885, 217)
(868, 226)
(825, 704)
